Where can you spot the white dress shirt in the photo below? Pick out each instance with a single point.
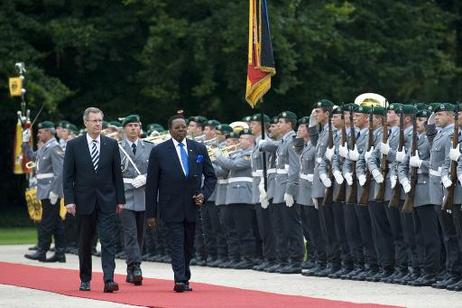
(177, 148)
(98, 143)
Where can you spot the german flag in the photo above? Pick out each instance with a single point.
(260, 67)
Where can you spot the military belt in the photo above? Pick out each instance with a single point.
(307, 176)
(240, 179)
(257, 173)
(284, 170)
(128, 181)
(42, 176)
(222, 181)
(271, 171)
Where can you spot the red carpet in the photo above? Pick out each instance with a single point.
(155, 292)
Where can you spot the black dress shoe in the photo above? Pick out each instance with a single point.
(291, 268)
(33, 248)
(179, 287)
(313, 271)
(341, 272)
(187, 287)
(137, 275)
(455, 286)
(84, 286)
(244, 264)
(56, 258)
(424, 280)
(38, 255)
(110, 286)
(450, 280)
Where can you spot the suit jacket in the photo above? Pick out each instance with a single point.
(168, 191)
(86, 187)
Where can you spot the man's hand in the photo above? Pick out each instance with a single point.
(415, 161)
(354, 154)
(348, 178)
(70, 208)
(152, 223)
(378, 177)
(264, 202)
(198, 199)
(120, 208)
(431, 119)
(368, 154)
(393, 181)
(139, 181)
(454, 154)
(325, 180)
(446, 181)
(406, 185)
(400, 155)
(362, 179)
(26, 135)
(338, 177)
(385, 148)
(289, 199)
(329, 153)
(53, 198)
(343, 150)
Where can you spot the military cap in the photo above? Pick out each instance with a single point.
(364, 109)
(257, 117)
(324, 103)
(232, 135)
(154, 127)
(350, 107)
(304, 120)
(115, 123)
(394, 106)
(274, 120)
(287, 115)
(247, 119)
(46, 124)
(105, 124)
(432, 106)
(245, 131)
(72, 128)
(444, 107)
(379, 110)
(62, 123)
(337, 110)
(212, 123)
(423, 113)
(420, 106)
(198, 119)
(408, 109)
(224, 128)
(130, 119)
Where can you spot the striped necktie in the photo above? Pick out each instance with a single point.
(94, 154)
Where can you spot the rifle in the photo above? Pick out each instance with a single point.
(380, 195)
(340, 196)
(352, 196)
(396, 193)
(449, 200)
(408, 206)
(370, 143)
(330, 144)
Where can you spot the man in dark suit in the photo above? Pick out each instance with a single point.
(174, 192)
(94, 190)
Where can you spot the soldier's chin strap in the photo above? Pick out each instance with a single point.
(129, 159)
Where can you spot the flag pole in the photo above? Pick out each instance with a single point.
(263, 134)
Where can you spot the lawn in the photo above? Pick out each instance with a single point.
(9, 236)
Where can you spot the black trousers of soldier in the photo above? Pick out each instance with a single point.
(427, 239)
(200, 236)
(383, 236)
(327, 222)
(292, 232)
(352, 233)
(312, 232)
(266, 232)
(394, 218)
(450, 241)
(457, 217)
(240, 239)
(340, 234)
(51, 225)
(365, 228)
(215, 241)
(407, 223)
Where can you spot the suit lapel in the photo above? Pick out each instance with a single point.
(173, 153)
(191, 155)
(85, 145)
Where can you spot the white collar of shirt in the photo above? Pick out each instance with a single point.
(90, 141)
(177, 148)
(130, 144)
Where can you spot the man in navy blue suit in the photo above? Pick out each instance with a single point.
(174, 192)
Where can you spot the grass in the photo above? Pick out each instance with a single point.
(10, 236)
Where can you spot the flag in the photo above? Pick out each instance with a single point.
(260, 64)
(15, 84)
(17, 151)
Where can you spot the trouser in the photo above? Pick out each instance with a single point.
(427, 238)
(457, 216)
(216, 241)
(326, 219)
(149, 240)
(292, 232)
(119, 235)
(450, 241)
(266, 231)
(256, 233)
(162, 247)
(200, 247)
(240, 239)
(340, 233)
(312, 229)
(105, 223)
(133, 224)
(51, 225)
(276, 223)
(71, 231)
(383, 236)
(407, 223)
(180, 242)
(370, 256)
(352, 233)
(401, 257)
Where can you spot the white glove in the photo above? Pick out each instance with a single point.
(53, 198)
(26, 135)
(313, 121)
(384, 148)
(330, 153)
(348, 178)
(218, 152)
(264, 202)
(415, 161)
(261, 189)
(400, 155)
(378, 177)
(446, 181)
(406, 185)
(343, 150)
(338, 177)
(368, 154)
(289, 200)
(139, 181)
(431, 119)
(393, 180)
(353, 154)
(325, 180)
(454, 154)
(362, 179)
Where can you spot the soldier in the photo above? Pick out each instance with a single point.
(134, 155)
(196, 126)
(239, 210)
(49, 161)
(59, 133)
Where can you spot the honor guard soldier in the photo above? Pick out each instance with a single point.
(49, 163)
(134, 155)
(238, 213)
(196, 127)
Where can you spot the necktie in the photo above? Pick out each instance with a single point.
(134, 148)
(358, 134)
(184, 159)
(94, 154)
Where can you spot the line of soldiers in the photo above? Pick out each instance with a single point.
(351, 192)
